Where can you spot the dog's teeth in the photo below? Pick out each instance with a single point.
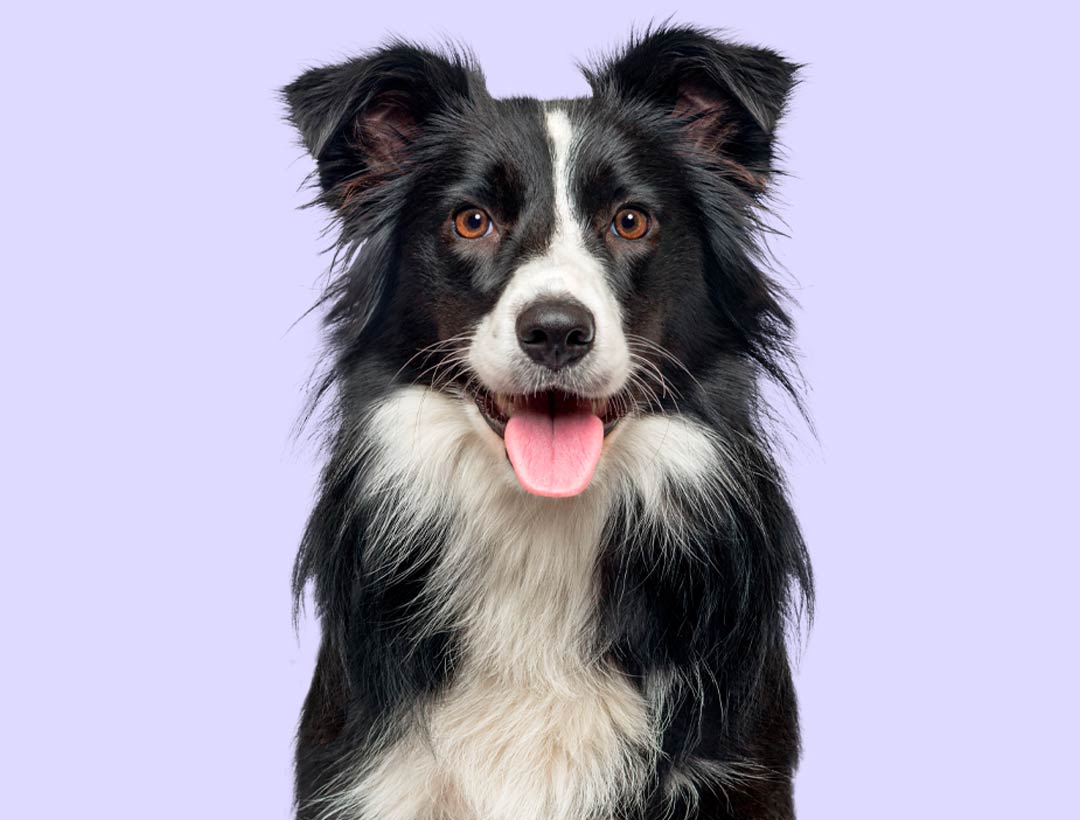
(599, 406)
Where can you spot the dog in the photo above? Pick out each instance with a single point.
(552, 552)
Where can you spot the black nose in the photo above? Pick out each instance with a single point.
(555, 332)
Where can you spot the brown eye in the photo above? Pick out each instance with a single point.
(472, 223)
(630, 223)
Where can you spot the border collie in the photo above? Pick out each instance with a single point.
(552, 552)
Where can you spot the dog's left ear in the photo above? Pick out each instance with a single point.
(727, 97)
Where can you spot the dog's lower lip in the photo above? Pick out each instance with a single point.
(497, 409)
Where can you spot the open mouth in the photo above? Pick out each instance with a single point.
(497, 408)
(553, 439)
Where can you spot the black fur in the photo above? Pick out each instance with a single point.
(679, 121)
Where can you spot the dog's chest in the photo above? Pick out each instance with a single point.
(533, 726)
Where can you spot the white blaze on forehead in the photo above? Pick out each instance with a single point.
(568, 269)
(561, 134)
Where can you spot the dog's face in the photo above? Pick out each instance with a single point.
(557, 267)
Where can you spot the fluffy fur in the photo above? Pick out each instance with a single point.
(489, 654)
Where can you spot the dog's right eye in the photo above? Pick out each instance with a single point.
(472, 223)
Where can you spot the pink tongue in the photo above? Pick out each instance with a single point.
(554, 456)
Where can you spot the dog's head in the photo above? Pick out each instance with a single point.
(557, 266)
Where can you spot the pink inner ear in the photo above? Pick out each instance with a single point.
(385, 130)
(693, 100)
(711, 127)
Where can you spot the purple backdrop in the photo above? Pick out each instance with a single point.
(153, 262)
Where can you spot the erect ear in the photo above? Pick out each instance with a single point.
(727, 97)
(358, 119)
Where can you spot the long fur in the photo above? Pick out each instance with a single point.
(489, 654)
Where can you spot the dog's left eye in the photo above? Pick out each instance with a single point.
(630, 223)
(472, 223)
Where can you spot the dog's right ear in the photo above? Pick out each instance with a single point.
(358, 119)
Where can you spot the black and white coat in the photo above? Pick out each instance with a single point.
(489, 654)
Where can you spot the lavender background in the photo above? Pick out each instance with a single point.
(153, 262)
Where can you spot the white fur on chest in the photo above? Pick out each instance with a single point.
(535, 726)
